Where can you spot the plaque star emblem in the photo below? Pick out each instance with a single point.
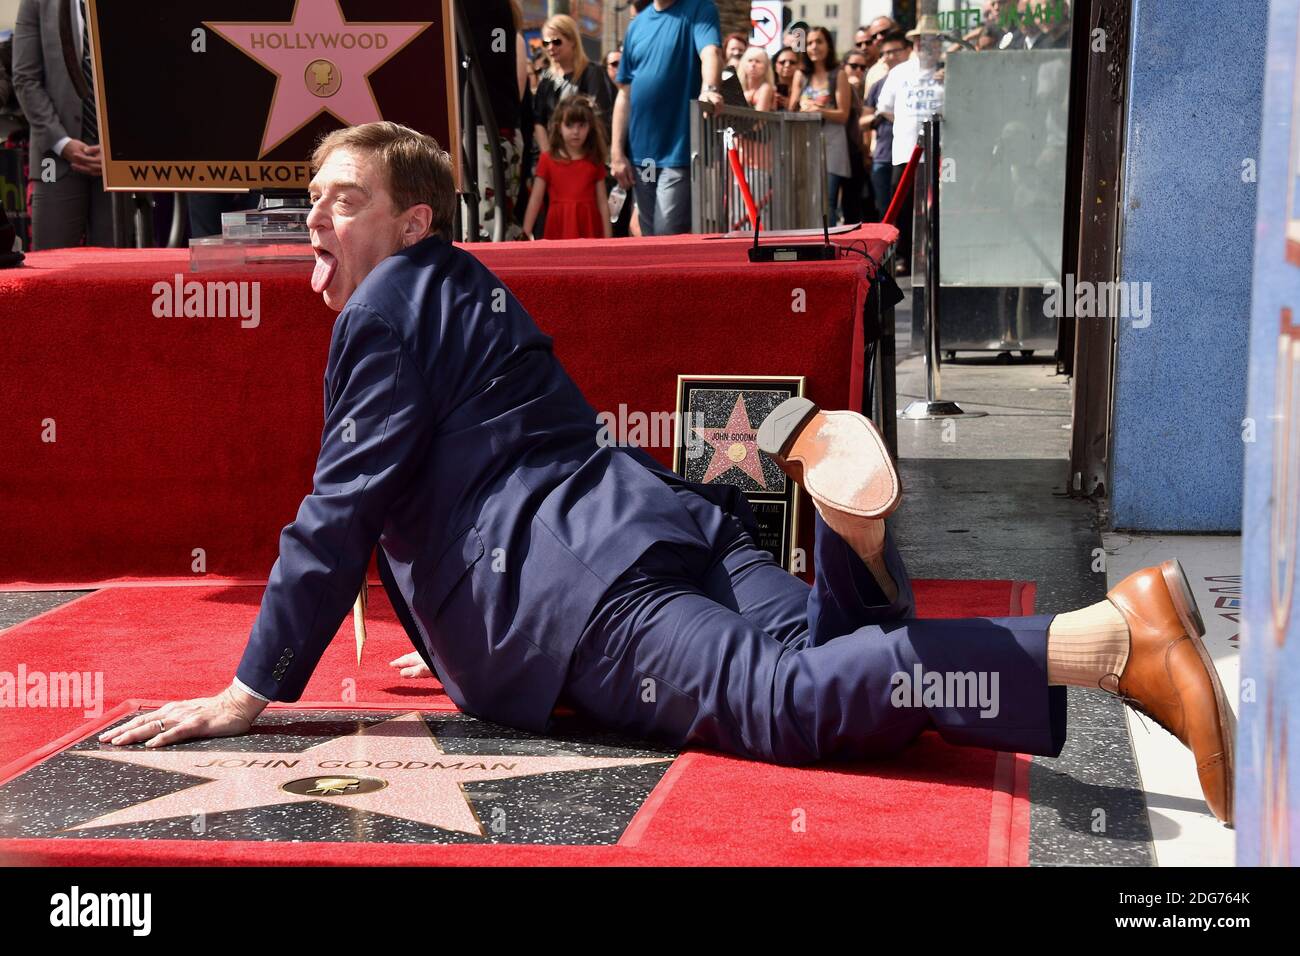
(410, 776)
(734, 446)
(322, 64)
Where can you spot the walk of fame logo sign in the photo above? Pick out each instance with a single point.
(722, 415)
(234, 94)
(344, 776)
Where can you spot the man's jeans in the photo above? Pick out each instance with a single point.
(664, 203)
(882, 186)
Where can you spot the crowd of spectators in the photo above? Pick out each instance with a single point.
(631, 113)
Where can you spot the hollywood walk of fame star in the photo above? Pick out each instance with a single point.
(301, 54)
(734, 446)
(431, 792)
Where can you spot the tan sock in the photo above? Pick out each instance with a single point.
(868, 542)
(1086, 647)
(876, 565)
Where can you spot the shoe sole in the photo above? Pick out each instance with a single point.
(786, 435)
(1189, 615)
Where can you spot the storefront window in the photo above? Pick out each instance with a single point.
(1004, 134)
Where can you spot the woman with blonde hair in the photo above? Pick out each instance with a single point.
(571, 72)
(757, 79)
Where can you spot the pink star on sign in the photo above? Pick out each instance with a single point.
(734, 446)
(322, 64)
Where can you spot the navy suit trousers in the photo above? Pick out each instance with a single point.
(719, 647)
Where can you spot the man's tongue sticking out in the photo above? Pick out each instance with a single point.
(323, 274)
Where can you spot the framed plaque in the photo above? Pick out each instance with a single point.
(716, 440)
(231, 95)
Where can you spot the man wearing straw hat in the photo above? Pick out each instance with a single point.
(913, 92)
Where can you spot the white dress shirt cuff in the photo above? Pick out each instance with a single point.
(58, 147)
(248, 690)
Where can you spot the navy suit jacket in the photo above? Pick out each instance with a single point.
(456, 441)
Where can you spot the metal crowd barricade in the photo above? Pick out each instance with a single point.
(784, 162)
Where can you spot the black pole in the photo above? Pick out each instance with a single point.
(481, 103)
(180, 218)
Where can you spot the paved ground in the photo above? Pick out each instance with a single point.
(19, 606)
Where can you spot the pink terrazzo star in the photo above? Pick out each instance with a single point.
(317, 32)
(423, 784)
(734, 446)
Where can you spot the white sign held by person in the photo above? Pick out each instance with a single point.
(765, 25)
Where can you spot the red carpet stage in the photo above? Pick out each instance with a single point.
(933, 805)
(144, 447)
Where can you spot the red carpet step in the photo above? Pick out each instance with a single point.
(934, 805)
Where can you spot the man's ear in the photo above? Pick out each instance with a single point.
(418, 219)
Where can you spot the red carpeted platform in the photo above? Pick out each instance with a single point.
(140, 447)
(934, 805)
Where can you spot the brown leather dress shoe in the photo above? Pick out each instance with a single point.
(843, 464)
(839, 457)
(1171, 678)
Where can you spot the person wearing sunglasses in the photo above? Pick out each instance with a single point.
(877, 129)
(876, 31)
(570, 72)
(864, 47)
(784, 66)
(857, 65)
(858, 187)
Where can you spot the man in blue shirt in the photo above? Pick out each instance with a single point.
(672, 52)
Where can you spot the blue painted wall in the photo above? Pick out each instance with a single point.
(1268, 779)
(1196, 77)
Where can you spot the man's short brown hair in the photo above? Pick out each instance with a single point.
(418, 169)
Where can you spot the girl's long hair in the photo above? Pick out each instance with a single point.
(567, 27)
(831, 61)
(579, 108)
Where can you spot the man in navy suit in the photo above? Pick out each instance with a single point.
(532, 564)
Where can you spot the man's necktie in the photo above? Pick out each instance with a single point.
(89, 121)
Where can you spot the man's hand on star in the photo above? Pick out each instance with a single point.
(411, 665)
(228, 714)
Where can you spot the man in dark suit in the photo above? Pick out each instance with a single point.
(53, 79)
(532, 563)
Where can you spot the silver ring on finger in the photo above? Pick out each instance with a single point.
(161, 726)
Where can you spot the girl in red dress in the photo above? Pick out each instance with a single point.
(572, 171)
